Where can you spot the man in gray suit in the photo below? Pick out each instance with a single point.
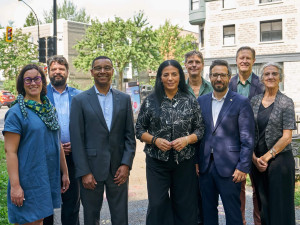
(103, 144)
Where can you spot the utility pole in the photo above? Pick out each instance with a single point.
(54, 27)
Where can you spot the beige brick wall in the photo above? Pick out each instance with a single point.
(292, 82)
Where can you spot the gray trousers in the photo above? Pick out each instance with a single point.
(117, 197)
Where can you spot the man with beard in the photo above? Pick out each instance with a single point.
(247, 83)
(225, 152)
(60, 95)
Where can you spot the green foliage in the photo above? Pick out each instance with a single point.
(297, 195)
(14, 55)
(30, 20)
(68, 10)
(124, 41)
(10, 85)
(3, 186)
(172, 45)
(73, 84)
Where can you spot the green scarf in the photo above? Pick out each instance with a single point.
(44, 110)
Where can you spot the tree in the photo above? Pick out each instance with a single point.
(30, 20)
(16, 54)
(68, 10)
(172, 45)
(131, 41)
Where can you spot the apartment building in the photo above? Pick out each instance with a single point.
(271, 27)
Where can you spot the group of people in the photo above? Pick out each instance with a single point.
(201, 140)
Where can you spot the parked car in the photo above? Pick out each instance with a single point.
(6, 98)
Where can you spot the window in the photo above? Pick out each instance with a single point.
(266, 1)
(228, 4)
(195, 4)
(202, 37)
(271, 30)
(229, 35)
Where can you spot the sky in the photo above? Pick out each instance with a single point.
(157, 11)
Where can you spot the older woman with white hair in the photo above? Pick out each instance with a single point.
(274, 170)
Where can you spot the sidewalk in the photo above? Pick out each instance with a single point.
(138, 197)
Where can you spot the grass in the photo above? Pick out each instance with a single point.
(3, 186)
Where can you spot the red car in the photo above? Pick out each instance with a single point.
(6, 98)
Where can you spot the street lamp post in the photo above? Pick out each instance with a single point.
(37, 20)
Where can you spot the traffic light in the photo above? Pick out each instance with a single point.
(9, 35)
(42, 50)
(51, 43)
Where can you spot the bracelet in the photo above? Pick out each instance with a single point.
(186, 139)
(152, 141)
(155, 140)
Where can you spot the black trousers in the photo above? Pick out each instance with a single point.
(275, 188)
(172, 192)
(70, 199)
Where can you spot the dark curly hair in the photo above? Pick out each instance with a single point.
(20, 79)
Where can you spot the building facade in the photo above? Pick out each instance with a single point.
(271, 27)
(68, 33)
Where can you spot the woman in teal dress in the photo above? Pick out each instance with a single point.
(33, 152)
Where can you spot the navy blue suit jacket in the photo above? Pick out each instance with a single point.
(256, 86)
(232, 138)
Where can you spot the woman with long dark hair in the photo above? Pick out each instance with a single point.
(170, 123)
(33, 152)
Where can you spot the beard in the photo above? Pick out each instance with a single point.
(58, 83)
(221, 88)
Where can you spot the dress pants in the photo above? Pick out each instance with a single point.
(256, 213)
(211, 185)
(70, 199)
(275, 188)
(172, 192)
(117, 197)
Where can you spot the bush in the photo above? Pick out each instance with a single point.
(3, 186)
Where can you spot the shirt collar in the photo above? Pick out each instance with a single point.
(219, 100)
(54, 90)
(247, 81)
(98, 93)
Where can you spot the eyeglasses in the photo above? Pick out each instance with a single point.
(216, 75)
(106, 68)
(29, 80)
(274, 74)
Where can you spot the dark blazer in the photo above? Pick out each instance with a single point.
(95, 149)
(232, 138)
(256, 86)
(71, 91)
(282, 118)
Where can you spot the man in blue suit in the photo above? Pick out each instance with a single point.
(225, 152)
(60, 95)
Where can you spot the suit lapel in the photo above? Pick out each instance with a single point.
(116, 106)
(253, 86)
(50, 94)
(94, 102)
(226, 105)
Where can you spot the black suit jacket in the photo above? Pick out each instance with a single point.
(95, 149)
(256, 86)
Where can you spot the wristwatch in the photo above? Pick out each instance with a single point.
(272, 152)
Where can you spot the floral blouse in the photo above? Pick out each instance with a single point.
(173, 119)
